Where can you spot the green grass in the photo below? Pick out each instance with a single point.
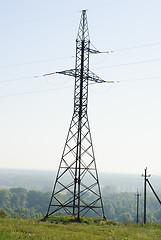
(67, 229)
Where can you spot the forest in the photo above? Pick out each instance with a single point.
(26, 194)
(120, 207)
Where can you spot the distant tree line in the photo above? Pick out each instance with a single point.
(120, 207)
(18, 202)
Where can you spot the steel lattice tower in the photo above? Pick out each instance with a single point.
(76, 190)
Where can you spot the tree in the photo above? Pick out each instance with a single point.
(5, 196)
(125, 217)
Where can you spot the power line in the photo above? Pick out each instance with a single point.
(130, 48)
(103, 5)
(132, 63)
(33, 62)
(135, 47)
(61, 58)
(54, 89)
(130, 80)
(54, 59)
(25, 78)
(19, 79)
(54, 16)
(37, 19)
(32, 92)
(115, 81)
(139, 79)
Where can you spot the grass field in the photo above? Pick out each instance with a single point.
(63, 230)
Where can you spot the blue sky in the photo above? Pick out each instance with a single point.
(38, 37)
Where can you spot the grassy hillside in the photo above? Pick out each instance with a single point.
(100, 230)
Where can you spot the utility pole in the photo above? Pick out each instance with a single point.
(137, 206)
(77, 190)
(145, 181)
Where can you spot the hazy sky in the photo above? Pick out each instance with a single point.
(38, 37)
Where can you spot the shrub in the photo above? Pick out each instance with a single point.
(2, 214)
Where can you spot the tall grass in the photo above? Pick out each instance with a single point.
(68, 229)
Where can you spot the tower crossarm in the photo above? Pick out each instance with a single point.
(70, 72)
(91, 76)
(94, 78)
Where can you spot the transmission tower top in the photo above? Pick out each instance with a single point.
(83, 50)
(83, 33)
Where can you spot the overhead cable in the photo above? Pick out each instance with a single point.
(59, 88)
(33, 62)
(32, 92)
(132, 63)
(61, 58)
(19, 79)
(135, 47)
(37, 19)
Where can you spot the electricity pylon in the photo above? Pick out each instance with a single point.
(77, 190)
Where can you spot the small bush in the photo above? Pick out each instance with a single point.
(2, 214)
(85, 220)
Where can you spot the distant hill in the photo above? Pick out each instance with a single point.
(43, 180)
(29, 179)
